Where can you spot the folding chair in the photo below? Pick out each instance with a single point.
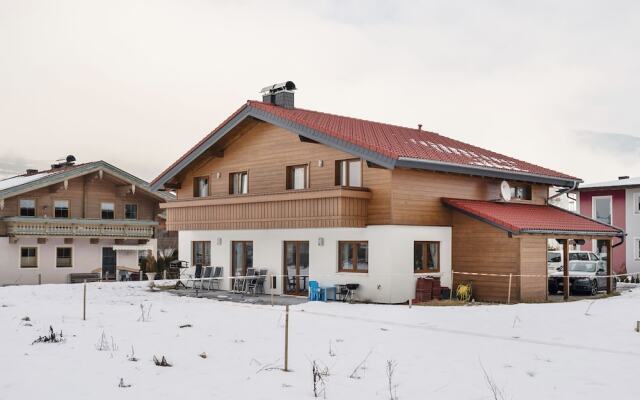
(208, 272)
(216, 279)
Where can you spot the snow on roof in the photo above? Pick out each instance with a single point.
(19, 180)
(617, 183)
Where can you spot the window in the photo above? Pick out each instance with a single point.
(239, 183)
(201, 253)
(297, 177)
(63, 257)
(27, 208)
(637, 255)
(353, 256)
(241, 257)
(349, 173)
(107, 211)
(130, 211)
(602, 209)
(521, 192)
(28, 257)
(201, 186)
(636, 203)
(61, 209)
(580, 256)
(426, 257)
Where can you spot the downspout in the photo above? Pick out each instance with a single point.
(560, 193)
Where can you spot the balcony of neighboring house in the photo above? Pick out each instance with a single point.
(304, 208)
(94, 228)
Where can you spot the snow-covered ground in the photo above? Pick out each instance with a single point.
(578, 350)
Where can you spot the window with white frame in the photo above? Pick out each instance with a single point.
(602, 209)
(637, 250)
(636, 203)
(27, 208)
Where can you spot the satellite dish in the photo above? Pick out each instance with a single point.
(505, 191)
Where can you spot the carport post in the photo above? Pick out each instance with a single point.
(609, 269)
(565, 270)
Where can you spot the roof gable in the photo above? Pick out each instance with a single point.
(384, 144)
(17, 185)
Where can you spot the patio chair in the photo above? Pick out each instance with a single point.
(124, 275)
(216, 279)
(316, 293)
(262, 277)
(208, 273)
(251, 282)
(196, 277)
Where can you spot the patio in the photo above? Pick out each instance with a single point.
(235, 297)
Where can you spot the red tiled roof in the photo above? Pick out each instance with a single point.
(391, 141)
(530, 218)
(397, 141)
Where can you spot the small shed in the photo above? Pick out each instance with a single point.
(501, 247)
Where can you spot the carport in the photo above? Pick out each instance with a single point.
(501, 247)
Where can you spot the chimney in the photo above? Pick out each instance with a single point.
(280, 94)
(31, 171)
(623, 177)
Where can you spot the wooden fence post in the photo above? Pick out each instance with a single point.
(509, 293)
(286, 339)
(84, 301)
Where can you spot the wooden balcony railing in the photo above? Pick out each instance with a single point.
(25, 226)
(309, 208)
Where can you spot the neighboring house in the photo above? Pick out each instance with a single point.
(74, 219)
(618, 203)
(309, 195)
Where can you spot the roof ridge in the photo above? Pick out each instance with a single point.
(347, 117)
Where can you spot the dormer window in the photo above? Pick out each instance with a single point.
(349, 173)
(107, 210)
(27, 208)
(61, 209)
(201, 186)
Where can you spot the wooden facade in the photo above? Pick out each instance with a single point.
(399, 196)
(84, 194)
(481, 248)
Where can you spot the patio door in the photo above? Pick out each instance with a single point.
(108, 263)
(241, 257)
(296, 267)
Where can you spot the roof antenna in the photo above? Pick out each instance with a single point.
(419, 127)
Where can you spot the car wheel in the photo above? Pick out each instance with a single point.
(594, 287)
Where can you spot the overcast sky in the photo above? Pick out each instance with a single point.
(137, 83)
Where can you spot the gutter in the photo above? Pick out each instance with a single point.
(560, 193)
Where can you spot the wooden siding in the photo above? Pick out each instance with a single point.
(478, 247)
(265, 151)
(533, 261)
(85, 195)
(300, 209)
(416, 195)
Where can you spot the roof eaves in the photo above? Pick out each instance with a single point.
(75, 172)
(441, 166)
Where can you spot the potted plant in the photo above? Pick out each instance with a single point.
(151, 265)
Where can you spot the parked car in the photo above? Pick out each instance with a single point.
(555, 259)
(584, 277)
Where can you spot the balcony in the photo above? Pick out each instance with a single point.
(95, 228)
(308, 208)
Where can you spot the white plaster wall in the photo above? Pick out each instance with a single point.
(86, 258)
(633, 232)
(390, 278)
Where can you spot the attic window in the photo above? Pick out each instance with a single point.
(107, 211)
(521, 192)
